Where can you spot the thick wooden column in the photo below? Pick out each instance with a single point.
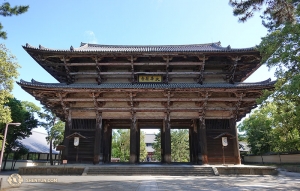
(133, 142)
(98, 145)
(162, 143)
(109, 143)
(167, 140)
(203, 142)
(68, 127)
(236, 151)
(194, 143)
(106, 144)
(138, 143)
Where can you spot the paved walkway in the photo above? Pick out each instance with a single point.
(284, 181)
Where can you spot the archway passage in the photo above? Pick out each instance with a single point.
(180, 146)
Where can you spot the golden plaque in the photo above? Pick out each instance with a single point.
(150, 78)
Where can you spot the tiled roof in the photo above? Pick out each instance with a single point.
(34, 83)
(36, 143)
(85, 47)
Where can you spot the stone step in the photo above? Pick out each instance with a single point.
(138, 170)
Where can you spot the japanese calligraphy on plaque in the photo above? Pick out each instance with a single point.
(150, 78)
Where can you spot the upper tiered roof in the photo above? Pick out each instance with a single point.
(101, 62)
(86, 47)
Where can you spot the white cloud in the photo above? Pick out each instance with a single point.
(90, 37)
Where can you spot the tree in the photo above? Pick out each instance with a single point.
(54, 128)
(157, 146)
(179, 145)
(6, 11)
(143, 151)
(56, 134)
(20, 151)
(8, 73)
(276, 12)
(24, 113)
(280, 49)
(258, 130)
(121, 145)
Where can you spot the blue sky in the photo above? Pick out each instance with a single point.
(59, 24)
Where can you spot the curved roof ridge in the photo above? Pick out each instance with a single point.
(150, 85)
(159, 45)
(87, 47)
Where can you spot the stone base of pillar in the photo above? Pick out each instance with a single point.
(96, 159)
(167, 158)
(132, 159)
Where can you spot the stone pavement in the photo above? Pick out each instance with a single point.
(284, 181)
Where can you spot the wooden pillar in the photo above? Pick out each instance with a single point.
(133, 142)
(109, 144)
(236, 151)
(194, 143)
(162, 143)
(191, 146)
(105, 144)
(98, 150)
(203, 143)
(138, 143)
(68, 127)
(167, 140)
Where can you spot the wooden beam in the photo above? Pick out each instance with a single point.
(155, 73)
(231, 78)
(201, 69)
(69, 78)
(221, 99)
(98, 69)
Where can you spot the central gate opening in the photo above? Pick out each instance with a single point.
(180, 145)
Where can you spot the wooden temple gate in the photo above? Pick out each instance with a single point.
(101, 87)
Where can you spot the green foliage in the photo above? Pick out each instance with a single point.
(279, 49)
(276, 12)
(24, 113)
(272, 129)
(6, 11)
(157, 146)
(143, 151)
(179, 146)
(121, 145)
(8, 73)
(56, 133)
(54, 127)
(20, 114)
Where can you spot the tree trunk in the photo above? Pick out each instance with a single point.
(4, 165)
(50, 152)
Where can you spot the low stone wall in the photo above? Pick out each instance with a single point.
(51, 170)
(274, 159)
(251, 170)
(26, 163)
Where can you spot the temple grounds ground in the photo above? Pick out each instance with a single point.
(283, 181)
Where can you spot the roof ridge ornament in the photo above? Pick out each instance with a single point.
(71, 48)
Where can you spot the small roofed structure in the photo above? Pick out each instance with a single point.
(38, 147)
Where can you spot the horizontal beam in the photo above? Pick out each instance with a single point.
(226, 99)
(190, 109)
(135, 64)
(151, 73)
